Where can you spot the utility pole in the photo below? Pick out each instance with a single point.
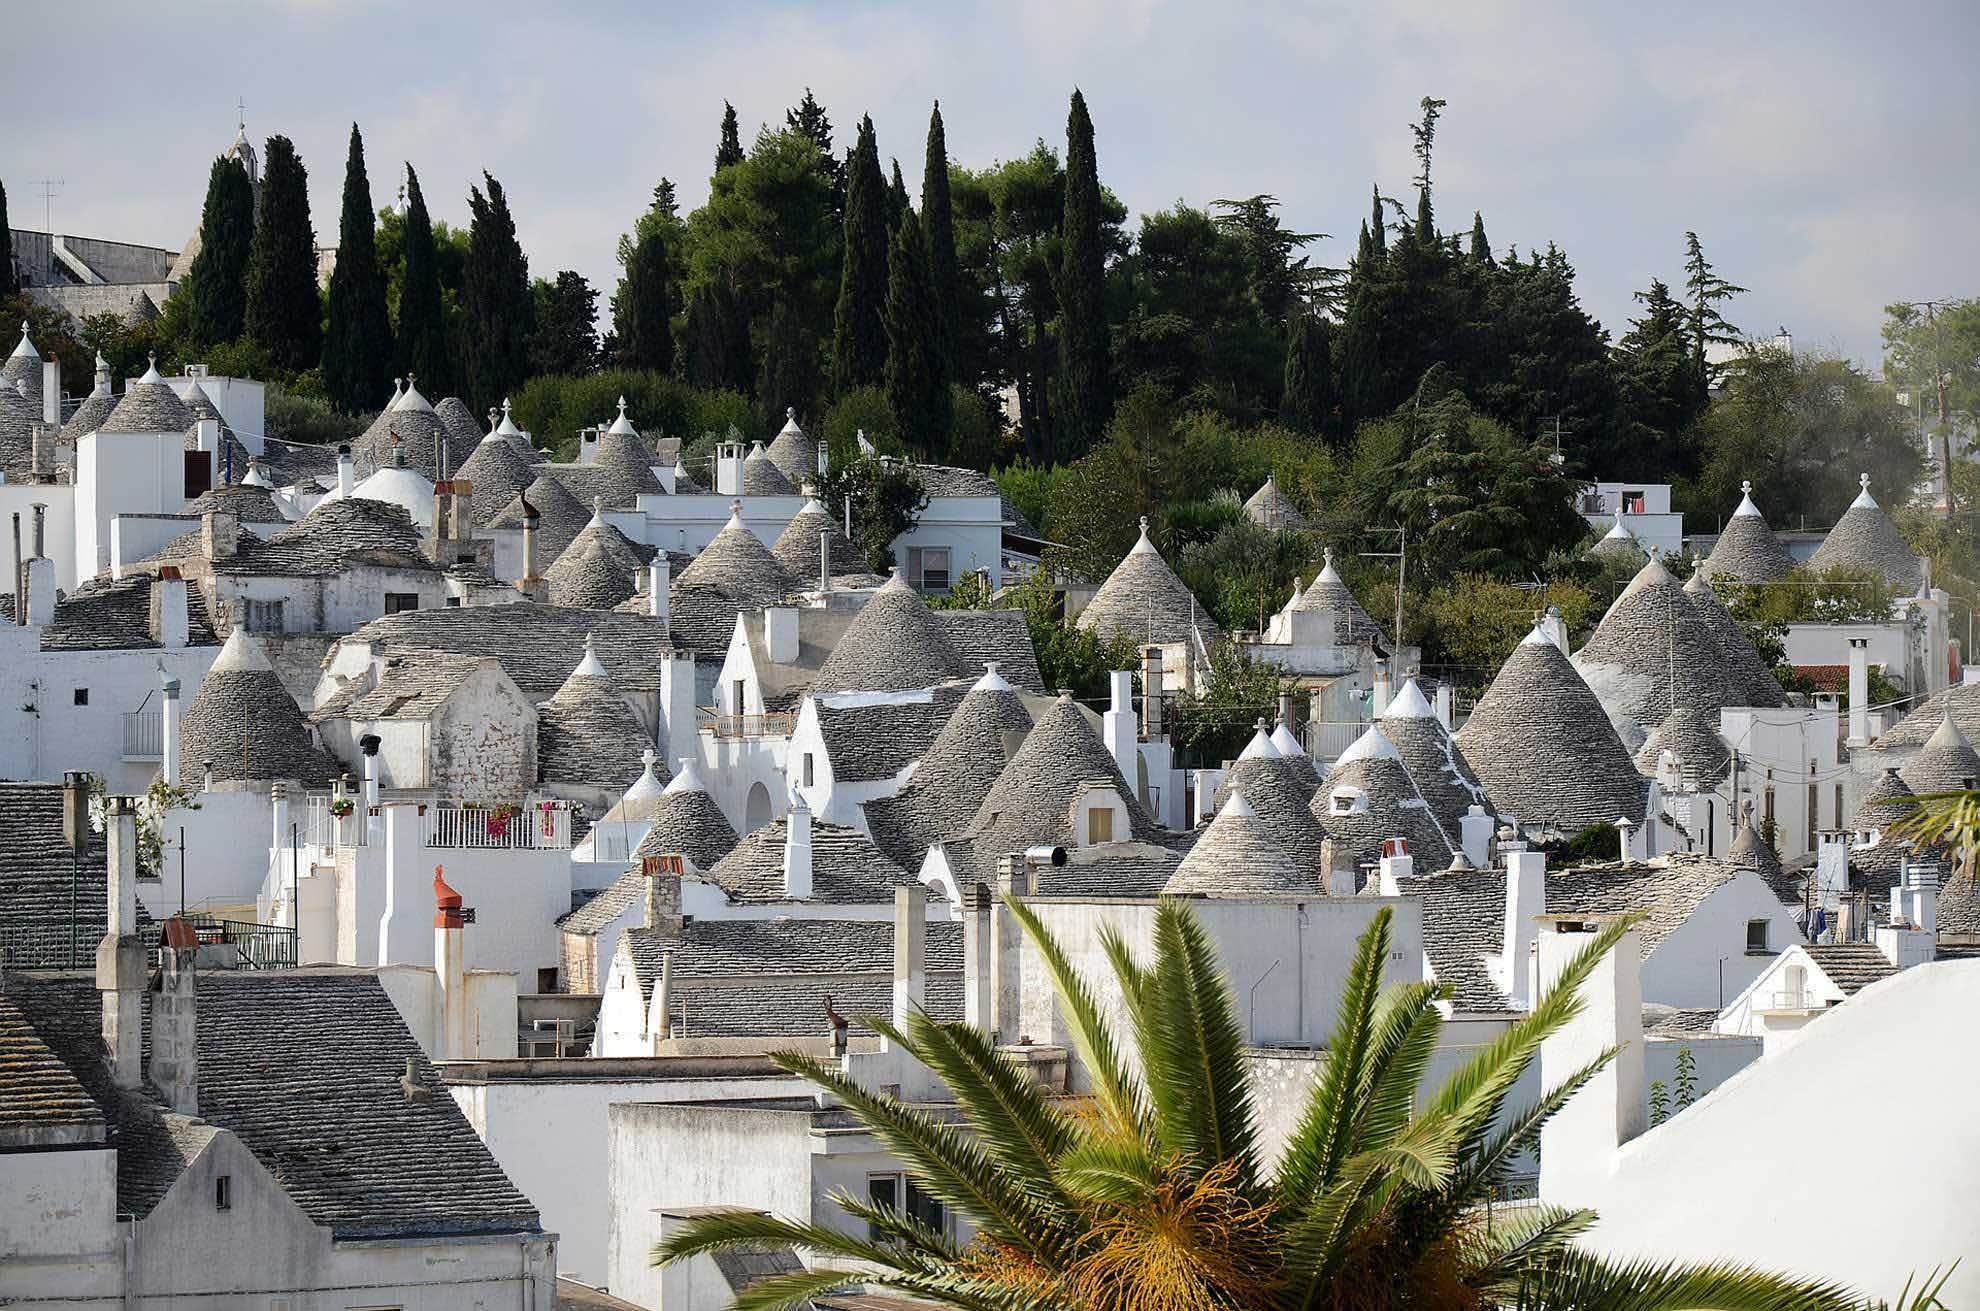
(1401, 556)
(1932, 308)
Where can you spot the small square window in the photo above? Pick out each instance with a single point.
(397, 602)
(1756, 935)
(1100, 824)
(223, 1192)
(82, 696)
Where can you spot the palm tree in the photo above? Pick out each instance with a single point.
(1150, 1193)
(1943, 820)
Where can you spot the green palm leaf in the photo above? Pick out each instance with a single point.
(1192, 1050)
(1574, 1280)
(1091, 1038)
(1324, 1135)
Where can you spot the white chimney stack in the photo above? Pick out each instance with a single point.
(1475, 830)
(1397, 864)
(1117, 725)
(1859, 692)
(120, 964)
(450, 968)
(168, 732)
(910, 956)
(346, 473)
(659, 588)
(1526, 901)
(1578, 1145)
(797, 852)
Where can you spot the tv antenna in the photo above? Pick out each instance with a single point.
(50, 188)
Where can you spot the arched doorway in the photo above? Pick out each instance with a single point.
(756, 811)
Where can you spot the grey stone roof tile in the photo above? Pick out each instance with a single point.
(894, 644)
(1241, 855)
(588, 733)
(599, 569)
(538, 645)
(794, 452)
(495, 474)
(149, 405)
(334, 537)
(689, 823)
(1947, 763)
(1865, 538)
(762, 477)
(1851, 966)
(797, 547)
(246, 724)
(1747, 550)
(114, 614)
(1270, 507)
(1651, 652)
(846, 868)
(1689, 735)
(1144, 599)
(560, 517)
(1388, 805)
(942, 796)
(1749, 670)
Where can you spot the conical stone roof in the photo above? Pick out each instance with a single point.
(495, 472)
(1619, 542)
(737, 564)
(251, 503)
(1271, 508)
(1865, 538)
(23, 367)
(1752, 673)
(1431, 755)
(587, 734)
(149, 405)
(560, 518)
(1747, 550)
(1240, 855)
(621, 469)
(639, 802)
(1281, 796)
(506, 429)
(1688, 734)
(762, 477)
(1031, 801)
(1369, 796)
(1330, 595)
(793, 451)
(1544, 748)
(892, 645)
(1749, 852)
(409, 418)
(1651, 652)
(797, 547)
(247, 725)
(600, 568)
(1145, 601)
(96, 407)
(1959, 908)
(687, 822)
(1946, 763)
(1878, 809)
(941, 797)
(1294, 754)
(464, 431)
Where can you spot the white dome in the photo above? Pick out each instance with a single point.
(400, 486)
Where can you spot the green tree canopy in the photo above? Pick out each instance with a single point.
(859, 333)
(565, 339)
(1086, 383)
(496, 299)
(284, 312)
(728, 151)
(357, 342)
(915, 387)
(425, 328)
(643, 307)
(216, 285)
(938, 226)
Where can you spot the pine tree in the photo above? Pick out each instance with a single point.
(788, 377)
(859, 334)
(357, 345)
(897, 198)
(730, 150)
(1312, 397)
(495, 297)
(216, 286)
(644, 306)
(425, 350)
(938, 227)
(564, 340)
(1085, 382)
(1425, 133)
(1661, 393)
(284, 312)
(716, 339)
(1706, 289)
(916, 390)
(810, 118)
(10, 276)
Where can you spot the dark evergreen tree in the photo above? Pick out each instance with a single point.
(788, 377)
(357, 343)
(495, 298)
(1660, 391)
(565, 338)
(10, 276)
(1481, 249)
(938, 227)
(1706, 289)
(810, 118)
(1276, 280)
(284, 312)
(897, 198)
(859, 333)
(716, 338)
(1378, 226)
(216, 285)
(1085, 379)
(643, 310)
(917, 392)
(1312, 397)
(1425, 132)
(425, 346)
(730, 150)
(1546, 369)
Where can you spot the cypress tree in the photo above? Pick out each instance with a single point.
(10, 277)
(216, 285)
(424, 348)
(859, 334)
(716, 338)
(938, 226)
(916, 390)
(357, 347)
(1378, 226)
(730, 150)
(284, 313)
(788, 376)
(897, 198)
(564, 336)
(1481, 249)
(1084, 363)
(496, 298)
(645, 303)
(1312, 398)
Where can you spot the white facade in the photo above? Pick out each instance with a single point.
(1646, 511)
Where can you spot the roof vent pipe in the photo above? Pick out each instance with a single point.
(20, 575)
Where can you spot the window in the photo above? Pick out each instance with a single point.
(397, 601)
(1100, 824)
(546, 978)
(807, 769)
(82, 696)
(223, 1192)
(264, 616)
(928, 567)
(741, 700)
(1756, 937)
(888, 1189)
(199, 473)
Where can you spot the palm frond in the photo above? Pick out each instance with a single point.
(1483, 1166)
(723, 1230)
(1324, 1136)
(1192, 1049)
(1110, 1169)
(1116, 1093)
(1524, 1241)
(1576, 1280)
(1317, 1238)
(1407, 1027)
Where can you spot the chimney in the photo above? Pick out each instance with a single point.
(1444, 710)
(41, 591)
(368, 747)
(780, 634)
(206, 435)
(1526, 901)
(797, 852)
(1151, 693)
(40, 529)
(677, 704)
(120, 965)
(979, 982)
(20, 575)
(910, 954)
(1396, 865)
(168, 733)
(660, 1019)
(1554, 628)
(220, 534)
(346, 473)
(1578, 1145)
(440, 494)
(51, 392)
(529, 584)
(824, 559)
(1117, 727)
(1859, 692)
(659, 588)
(1378, 700)
(450, 968)
(728, 469)
(1337, 858)
(175, 1020)
(663, 893)
(171, 616)
(1475, 829)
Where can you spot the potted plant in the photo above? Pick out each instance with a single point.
(499, 817)
(342, 807)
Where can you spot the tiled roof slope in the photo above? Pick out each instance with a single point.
(35, 887)
(1948, 762)
(1329, 594)
(245, 723)
(689, 823)
(114, 614)
(1463, 923)
(1394, 809)
(1747, 550)
(956, 773)
(1960, 701)
(495, 473)
(1648, 654)
(587, 733)
(334, 537)
(538, 645)
(846, 868)
(1272, 508)
(1239, 855)
(894, 644)
(1691, 737)
(248, 502)
(149, 405)
(1144, 599)
(762, 477)
(1865, 538)
(870, 741)
(793, 451)
(1749, 670)
(599, 569)
(797, 547)
(1431, 755)
(560, 517)
(1851, 966)
(37, 1091)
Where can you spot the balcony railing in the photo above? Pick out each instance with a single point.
(777, 724)
(144, 735)
(1790, 1000)
(260, 946)
(537, 826)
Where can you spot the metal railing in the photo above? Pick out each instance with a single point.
(1327, 739)
(775, 724)
(1790, 1000)
(324, 828)
(144, 735)
(536, 826)
(260, 946)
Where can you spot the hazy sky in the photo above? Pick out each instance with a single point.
(1823, 151)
